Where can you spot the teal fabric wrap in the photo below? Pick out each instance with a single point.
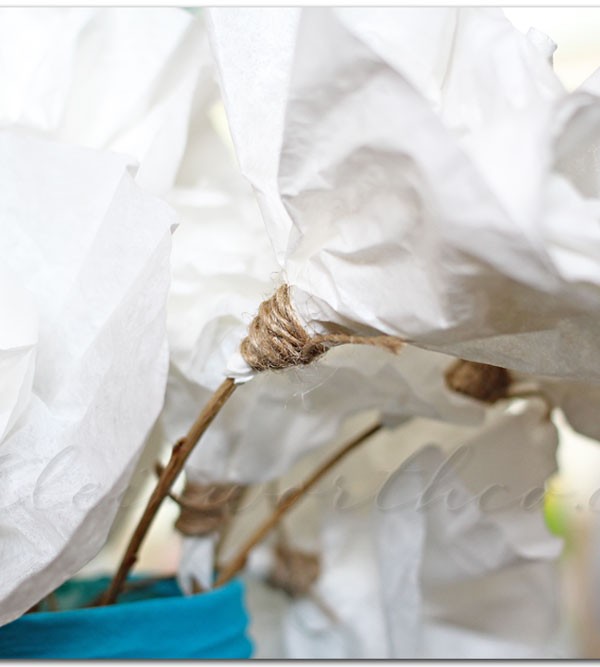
(155, 621)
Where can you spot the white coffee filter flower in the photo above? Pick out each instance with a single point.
(92, 250)
(222, 267)
(411, 169)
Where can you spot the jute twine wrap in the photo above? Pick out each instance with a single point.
(294, 571)
(276, 339)
(205, 508)
(480, 381)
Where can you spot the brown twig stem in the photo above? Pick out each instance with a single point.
(289, 499)
(179, 455)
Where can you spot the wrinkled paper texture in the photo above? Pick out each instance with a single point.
(420, 172)
(18, 343)
(114, 78)
(91, 250)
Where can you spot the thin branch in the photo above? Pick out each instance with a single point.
(179, 455)
(286, 503)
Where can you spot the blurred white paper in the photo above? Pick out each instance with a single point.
(92, 250)
(349, 586)
(486, 563)
(249, 445)
(447, 556)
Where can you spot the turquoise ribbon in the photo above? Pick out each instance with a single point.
(152, 622)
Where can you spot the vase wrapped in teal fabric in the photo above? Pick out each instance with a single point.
(150, 621)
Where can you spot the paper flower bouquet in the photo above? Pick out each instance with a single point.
(337, 271)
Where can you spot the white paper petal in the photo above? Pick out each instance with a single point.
(196, 563)
(488, 563)
(117, 78)
(359, 630)
(446, 582)
(92, 249)
(18, 341)
(257, 103)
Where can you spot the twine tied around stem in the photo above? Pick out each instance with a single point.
(294, 571)
(480, 381)
(206, 508)
(276, 338)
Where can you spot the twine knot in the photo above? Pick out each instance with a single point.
(480, 381)
(294, 571)
(206, 508)
(276, 338)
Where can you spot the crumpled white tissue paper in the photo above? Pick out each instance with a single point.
(116, 78)
(449, 558)
(422, 173)
(463, 544)
(18, 342)
(91, 249)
